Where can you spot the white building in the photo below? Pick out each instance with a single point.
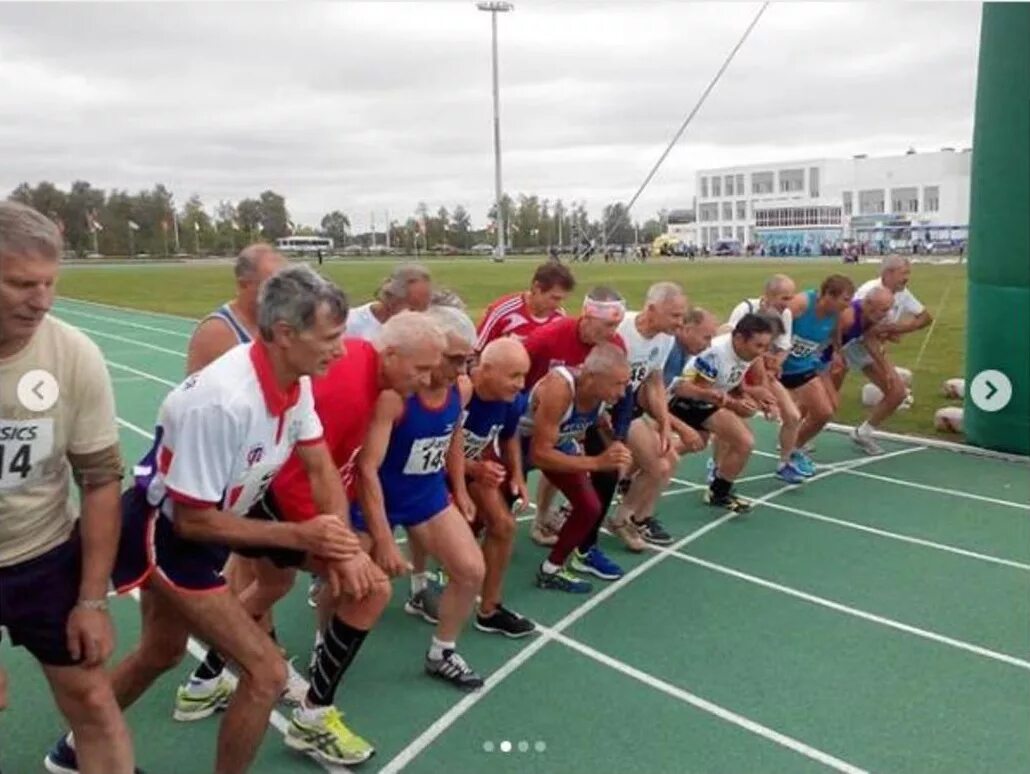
(800, 206)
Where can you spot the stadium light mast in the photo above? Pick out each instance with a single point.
(495, 7)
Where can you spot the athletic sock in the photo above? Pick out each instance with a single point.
(211, 667)
(419, 581)
(550, 567)
(437, 648)
(333, 656)
(721, 488)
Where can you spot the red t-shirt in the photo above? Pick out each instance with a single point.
(345, 398)
(510, 316)
(555, 344)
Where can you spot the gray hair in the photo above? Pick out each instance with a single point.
(776, 282)
(892, 262)
(406, 331)
(697, 315)
(663, 293)
(446, 297)
(454, 322)
(880, 292)
(24, 230)
(247, 260)
(293, 296)
(604, 293)
(604, 358)
(395, 287)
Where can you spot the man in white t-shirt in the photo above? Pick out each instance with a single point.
(409, 286)
(779, 291)
(221, 437)
(906, 315)
(712, 396)
(642, 420)
(57, 431)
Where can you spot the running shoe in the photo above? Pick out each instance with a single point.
(62, 759)
(563, 580)
(802, 463)
(506, 622)
(789, 474)
(199, 699)
(866, 442)
(324, 736)
(426, 603)
(626, 531)
(545, 529)
(453, 669)
(596, 563)
(730, 502)
(653, 532)
(296, 686)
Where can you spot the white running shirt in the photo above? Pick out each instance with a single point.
(905, 303)
(719, 364)
(227, 430)
(753, 305)
(645, 355)
(362, 324)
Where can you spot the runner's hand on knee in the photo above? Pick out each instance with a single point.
(463, 502)
(327, 536)
(90, 635)
(487, 472)
(388, 556)
(355, 576)
(615, 457)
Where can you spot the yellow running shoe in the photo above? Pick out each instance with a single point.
(323, 735)
(198, 699)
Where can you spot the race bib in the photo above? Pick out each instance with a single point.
(475, 444)
(802, 348)
(427, 456)
(25, 447)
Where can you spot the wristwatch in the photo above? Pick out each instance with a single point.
(93, 604)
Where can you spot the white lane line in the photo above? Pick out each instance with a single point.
(705, 706)
(926, 634)
(65, 309)
(941, 490)
(134, 342)
(141, 374)
(445, 721)
(129, 309)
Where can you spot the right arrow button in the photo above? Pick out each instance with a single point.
(990, 390)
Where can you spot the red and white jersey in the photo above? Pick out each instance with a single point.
(345, 398)
(558, 344)
(224, 433)
(510, 316)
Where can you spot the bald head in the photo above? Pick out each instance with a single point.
(877, 304)
(779, 290)
(695, 335)
(255, 264)
(501, 372)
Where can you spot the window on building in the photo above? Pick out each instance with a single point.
(932, 198)
(741, 210)
(762, 183)
(740, 234)
(904, 200)
(716, 186)
(727, 232)
(847, 202)
(813, 182)
(704, 187)
(728, 183)
(792, 180)
(740, 185)
(727, 210)
(871, 202)
(708, 212)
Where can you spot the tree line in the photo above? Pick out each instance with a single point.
(117, 222)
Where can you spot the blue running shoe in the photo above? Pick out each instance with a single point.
(563, 580)
(802, 463)
(710, 471)
(789, 474)
(596, 563)
(62, 759)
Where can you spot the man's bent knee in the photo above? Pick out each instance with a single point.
(265, 675)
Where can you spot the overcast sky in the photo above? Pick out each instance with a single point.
(367, 107)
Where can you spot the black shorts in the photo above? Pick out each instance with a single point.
(267, 509)
(36, 598)
(692, 412)
(793, 381)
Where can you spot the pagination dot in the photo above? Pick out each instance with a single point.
(488, 746)
(540, 746)
(523, 746)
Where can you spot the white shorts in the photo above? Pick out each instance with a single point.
(856, 355)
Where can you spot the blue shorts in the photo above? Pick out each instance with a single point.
(36, 598)
(413, 511)
(150, 544)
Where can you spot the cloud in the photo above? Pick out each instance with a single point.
(379, 106)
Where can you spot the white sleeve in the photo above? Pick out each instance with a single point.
(910, 304)
(308, 424)
(739, 311)
(783, 342)
(204, 442)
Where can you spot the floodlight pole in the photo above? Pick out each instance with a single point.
(494, 8)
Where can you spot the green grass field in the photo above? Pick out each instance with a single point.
(195, 290)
